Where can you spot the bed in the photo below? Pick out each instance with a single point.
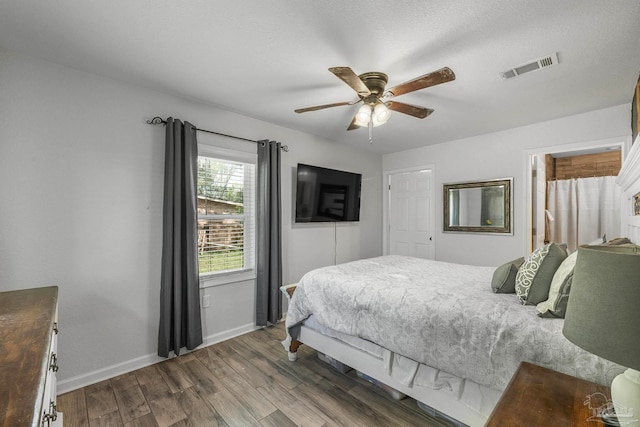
(432, 330)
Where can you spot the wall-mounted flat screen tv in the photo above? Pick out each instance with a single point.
(327, 195)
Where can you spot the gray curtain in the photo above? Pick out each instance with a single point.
(180, 323)
(269, 245)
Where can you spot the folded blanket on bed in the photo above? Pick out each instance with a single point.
(441, 314)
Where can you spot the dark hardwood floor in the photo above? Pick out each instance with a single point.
(245, 381)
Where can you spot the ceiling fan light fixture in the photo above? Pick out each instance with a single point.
(363, 116)
(377, 106)
(381, 114)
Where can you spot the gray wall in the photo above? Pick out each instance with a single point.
(81, 178)
(501, 155)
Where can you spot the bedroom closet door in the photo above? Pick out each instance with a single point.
(410, 214)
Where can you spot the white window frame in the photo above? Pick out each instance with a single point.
(247, 273)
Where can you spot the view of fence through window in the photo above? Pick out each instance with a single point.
(221, 215)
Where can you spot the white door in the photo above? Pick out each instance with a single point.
(411, 214)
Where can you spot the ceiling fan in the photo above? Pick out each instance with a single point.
(376, 107)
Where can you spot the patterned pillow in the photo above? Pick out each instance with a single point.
(534, 276)
(504, 278)
(556, 305)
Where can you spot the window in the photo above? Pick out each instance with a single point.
(226, 199)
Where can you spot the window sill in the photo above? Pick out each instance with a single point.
(226, 278)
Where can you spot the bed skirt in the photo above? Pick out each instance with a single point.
(458, 398)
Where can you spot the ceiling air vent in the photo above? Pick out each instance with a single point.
(534, 65)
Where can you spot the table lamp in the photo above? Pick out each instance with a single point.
(603, 317)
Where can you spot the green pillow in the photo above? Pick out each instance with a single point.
(618, 241)
(534, 276)
(504, 278)
(556, 305)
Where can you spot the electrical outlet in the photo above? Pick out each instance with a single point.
(206, 302)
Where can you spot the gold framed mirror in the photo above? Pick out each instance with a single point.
(478, 206)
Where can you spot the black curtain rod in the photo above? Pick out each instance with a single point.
(159, 121)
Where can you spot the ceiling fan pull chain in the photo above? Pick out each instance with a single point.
(370, 131)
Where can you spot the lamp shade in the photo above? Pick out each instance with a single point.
(363, 116)
(603, 312)
(381, 114)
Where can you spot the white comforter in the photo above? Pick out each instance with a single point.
(441, 314)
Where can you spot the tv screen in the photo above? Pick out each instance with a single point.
(327, 195)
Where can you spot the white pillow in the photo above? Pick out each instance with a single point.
(598, 241)
(559, 286)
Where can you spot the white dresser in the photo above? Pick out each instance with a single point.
(28, 357)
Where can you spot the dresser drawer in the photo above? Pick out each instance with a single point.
(28, 357)
(50, 416)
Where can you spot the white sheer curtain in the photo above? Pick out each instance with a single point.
(583, 210)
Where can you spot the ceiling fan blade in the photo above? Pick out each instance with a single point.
(412, 110)
(320, 107)
(442, 75)
(353, 124)
(347, 75)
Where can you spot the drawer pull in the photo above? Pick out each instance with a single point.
(52, 415)
(53, 411)
(53, 363)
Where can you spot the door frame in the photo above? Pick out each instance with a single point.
(386, 175)
(624, 142)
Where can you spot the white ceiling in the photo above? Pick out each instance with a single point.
(265, 58)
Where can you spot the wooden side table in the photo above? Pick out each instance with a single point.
(538, 396)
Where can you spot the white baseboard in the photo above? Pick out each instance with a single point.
(98, 375)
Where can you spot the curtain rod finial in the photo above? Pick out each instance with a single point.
(156, 121)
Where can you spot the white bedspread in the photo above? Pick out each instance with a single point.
(443, 315)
